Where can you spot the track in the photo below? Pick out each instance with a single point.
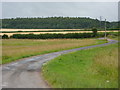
(25, 73)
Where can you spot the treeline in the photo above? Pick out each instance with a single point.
(56, 23)
(60, 36)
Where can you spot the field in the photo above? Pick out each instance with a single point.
(14, 49)
(36, 29)
(10, 32)
(91, 68)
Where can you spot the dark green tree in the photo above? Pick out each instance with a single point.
(55, 23)
(5, 36)
(94, 30)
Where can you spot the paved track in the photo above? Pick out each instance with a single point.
(26, 73)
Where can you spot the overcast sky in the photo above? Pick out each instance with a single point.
(108, 10)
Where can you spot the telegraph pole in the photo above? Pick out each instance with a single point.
(100, 22)
(105, 29)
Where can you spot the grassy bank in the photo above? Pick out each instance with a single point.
(14, 49)
(91, 68)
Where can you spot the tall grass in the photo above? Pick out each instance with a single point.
(14, 49)
(91, 68)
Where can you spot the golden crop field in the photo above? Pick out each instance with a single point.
(10, 34)
(34, 31)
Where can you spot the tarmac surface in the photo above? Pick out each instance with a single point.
(26, 73)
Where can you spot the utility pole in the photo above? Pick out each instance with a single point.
(100, 22)
(105, 29)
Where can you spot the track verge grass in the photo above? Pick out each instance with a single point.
(91, 68)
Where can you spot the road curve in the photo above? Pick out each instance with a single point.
(26, 73)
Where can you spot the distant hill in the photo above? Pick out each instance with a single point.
(55, 23)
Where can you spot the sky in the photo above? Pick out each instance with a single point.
(108, 10)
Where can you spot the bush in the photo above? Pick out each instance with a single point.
(60, 36)
(5, 36)
(52, 36)
(94, 32)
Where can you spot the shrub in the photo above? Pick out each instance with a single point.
(5, 36)
(94, 32)
(60, 36)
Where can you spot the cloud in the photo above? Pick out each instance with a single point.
(108, 10)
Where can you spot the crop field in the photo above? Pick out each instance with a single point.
(91, 68)
(10, 32)
(14, 49)
(36, 29)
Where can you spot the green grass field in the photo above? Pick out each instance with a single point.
(14, 49)
(91, 68)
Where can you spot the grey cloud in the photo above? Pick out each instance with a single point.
(108, 10)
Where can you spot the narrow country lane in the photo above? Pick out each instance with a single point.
(25, 73)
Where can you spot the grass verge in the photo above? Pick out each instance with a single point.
(91, 68)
